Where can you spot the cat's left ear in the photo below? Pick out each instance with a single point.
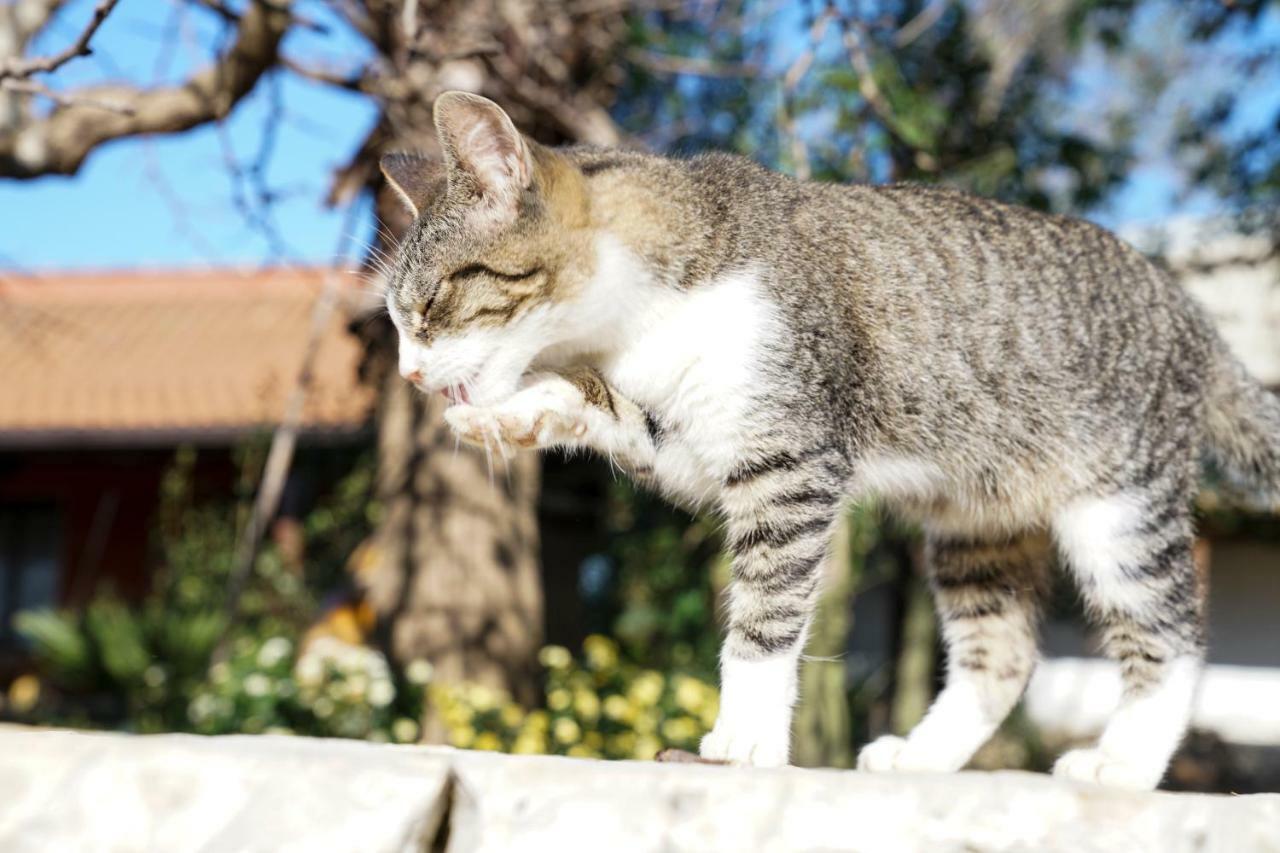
(417, 179)
(484, 152)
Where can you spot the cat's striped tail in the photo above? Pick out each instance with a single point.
(1244, 426)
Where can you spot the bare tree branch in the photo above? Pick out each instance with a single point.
(666, 63)
(20, 21)
(356, 81)
(59, 143)
(920, 24)
(31, 87)
(231, 16)
(18, 67)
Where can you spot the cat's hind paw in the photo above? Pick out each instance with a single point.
(881, 755)
(892, 753)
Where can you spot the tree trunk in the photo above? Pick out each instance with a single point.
(456, 581)
(455, 578)
(823, 727)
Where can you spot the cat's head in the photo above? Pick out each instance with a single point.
(499, 245)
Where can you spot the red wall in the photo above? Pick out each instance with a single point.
(79, 483)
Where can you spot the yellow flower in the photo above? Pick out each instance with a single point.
(593, 739)
(646, 722)
(404, 730)
(600, 651)
(566, 730)
(623, 744)
(529, 743)
(537, 721)
(710, 710)
(554, 657)
(680, 729)
(690, 693)
(24, 693)
(488, 741)
(482, 698)
(512, 715)
(581, 751)
(618, 708)
(462, 737)
(586, 704)
(559, 699)
(647, 746)
(419, 671)
(646, 690)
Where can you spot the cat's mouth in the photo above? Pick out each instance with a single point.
(456, 394)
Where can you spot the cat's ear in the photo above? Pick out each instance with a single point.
(485, 154)
(416, 178)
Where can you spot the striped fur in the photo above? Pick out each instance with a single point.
(1023, 385)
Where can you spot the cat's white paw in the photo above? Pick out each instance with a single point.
(881, 755)
(1094, 765)
(890, 752)
(759, 746)
(537, 417)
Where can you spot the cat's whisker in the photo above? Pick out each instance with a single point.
(488, 455)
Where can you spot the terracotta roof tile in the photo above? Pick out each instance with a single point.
(136, 354)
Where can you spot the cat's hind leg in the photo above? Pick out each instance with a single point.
(987, 593)
(1131, 555)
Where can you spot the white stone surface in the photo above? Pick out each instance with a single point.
(64, 791)
(73, 791)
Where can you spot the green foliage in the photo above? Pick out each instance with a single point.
(58, 642)
(993, 97)
(333, 690)
(149, 667)
(670, 567)
(138, 666)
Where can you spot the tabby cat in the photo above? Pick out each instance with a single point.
(1022, 385)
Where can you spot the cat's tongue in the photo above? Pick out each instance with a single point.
(456, 395)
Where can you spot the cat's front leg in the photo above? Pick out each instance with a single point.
(780, 507)
(568, 409)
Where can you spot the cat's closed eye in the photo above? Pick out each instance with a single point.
(473, 270)
(421, 312)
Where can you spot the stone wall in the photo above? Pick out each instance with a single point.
(75, 791)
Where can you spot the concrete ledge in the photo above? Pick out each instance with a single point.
(74, 791)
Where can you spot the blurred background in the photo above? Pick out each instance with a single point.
(222, 511)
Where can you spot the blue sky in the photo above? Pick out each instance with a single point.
(173, 201)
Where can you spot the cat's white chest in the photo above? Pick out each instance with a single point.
(694, 362)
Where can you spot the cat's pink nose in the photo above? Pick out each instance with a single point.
(414, 376)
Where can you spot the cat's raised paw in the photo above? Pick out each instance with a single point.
(519, 425)
(1094, 765)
